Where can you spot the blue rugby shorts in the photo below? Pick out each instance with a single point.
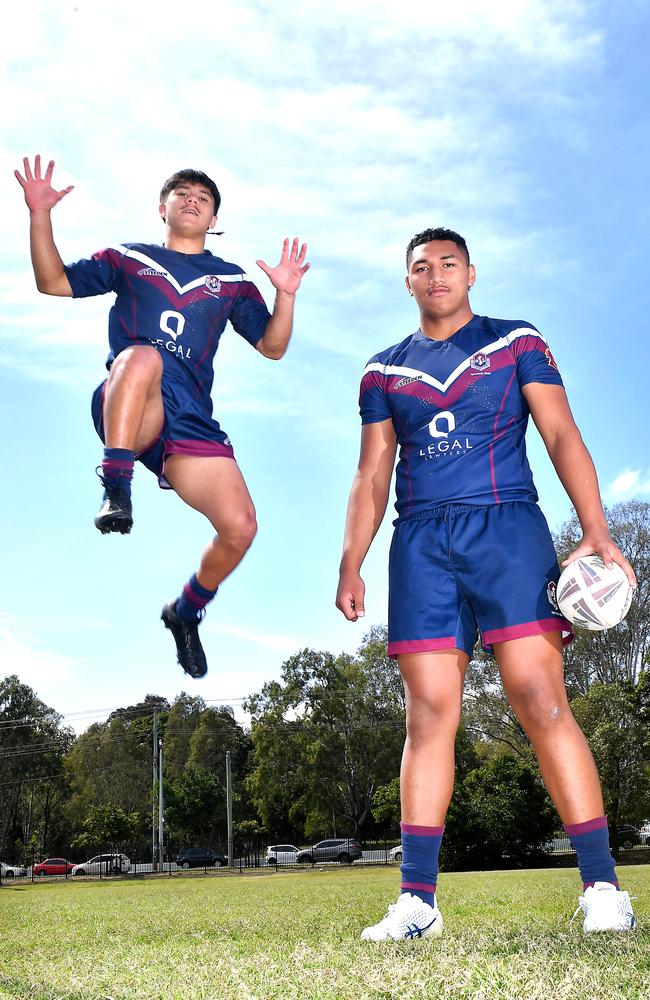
(460, 570)
(187, 430)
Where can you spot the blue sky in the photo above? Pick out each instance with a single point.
(523, 125)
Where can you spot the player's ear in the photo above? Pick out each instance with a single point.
(162, 211)
(471, 276)
(408, 285)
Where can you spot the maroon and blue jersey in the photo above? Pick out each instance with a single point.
(179, 303)
(459, 413)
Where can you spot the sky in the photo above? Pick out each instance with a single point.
(522, 125)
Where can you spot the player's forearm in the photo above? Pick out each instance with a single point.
(577, 473)
(49, 272)
(366, 509)
(276, 337)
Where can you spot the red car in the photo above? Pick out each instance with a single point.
(53, 866)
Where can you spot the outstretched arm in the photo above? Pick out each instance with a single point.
(366, 509)
(41, 198)
(550, 410)
(285, 278)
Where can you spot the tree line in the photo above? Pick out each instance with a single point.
(320, 756)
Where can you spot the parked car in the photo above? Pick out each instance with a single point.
(628, 836)
(103, 864)
(342, 850)
(282, 854)
(12, 871)
(395, 853)
(53, 866)
(200, 857)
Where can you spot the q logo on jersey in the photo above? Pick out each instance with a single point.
(448, 418)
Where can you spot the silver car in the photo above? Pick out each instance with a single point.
(282, 854)
(103, 864)
(12, 871)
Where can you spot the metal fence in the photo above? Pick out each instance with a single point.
(269, 855)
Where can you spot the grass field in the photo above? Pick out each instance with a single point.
(296, 935)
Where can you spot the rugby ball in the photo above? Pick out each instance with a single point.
(591, 596)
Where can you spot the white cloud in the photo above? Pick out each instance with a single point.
(21, 655)
(629, 484)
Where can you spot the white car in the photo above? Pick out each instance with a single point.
(103, 864)
(395, 853)
(645, 832)
(282, 854)
(12, 871)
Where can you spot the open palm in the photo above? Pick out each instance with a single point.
(287, 275)
(38, 190)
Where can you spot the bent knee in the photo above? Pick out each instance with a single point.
(240, 531)
(140, 362)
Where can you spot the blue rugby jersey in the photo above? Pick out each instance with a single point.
(458, 411)
(178, 302)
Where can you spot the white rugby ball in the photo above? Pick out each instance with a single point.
(591, 596)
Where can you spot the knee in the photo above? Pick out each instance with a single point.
(539, 709)
(140, 364)
(240, 531)
(427, 718)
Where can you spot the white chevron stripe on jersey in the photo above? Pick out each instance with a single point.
(164, 273)
(497, 345)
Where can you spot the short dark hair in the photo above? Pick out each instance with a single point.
(189, 176)
(428, 235)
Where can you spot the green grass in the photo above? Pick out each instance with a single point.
(296, 935)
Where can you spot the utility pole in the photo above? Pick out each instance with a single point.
(229, 807)
(154, 827)
(161, 837)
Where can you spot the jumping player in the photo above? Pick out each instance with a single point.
(472, 553)
(172, 304)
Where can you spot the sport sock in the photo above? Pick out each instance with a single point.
(117, 469)
(590, 841)
(193, 599)
(420, 850)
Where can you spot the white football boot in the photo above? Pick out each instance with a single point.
(406, 919)
(606, 908)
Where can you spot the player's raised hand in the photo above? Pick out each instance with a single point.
(40, 196)
(288, 274)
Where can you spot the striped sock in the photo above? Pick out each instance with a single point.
(193, 599)
(590, 841)
(117, 469)
(420, 850)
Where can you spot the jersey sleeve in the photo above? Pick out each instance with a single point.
(373, 404)
(249, 314)
(535, 362)
(95, 276)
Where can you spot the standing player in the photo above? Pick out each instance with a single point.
(172, 304)
(472, 552)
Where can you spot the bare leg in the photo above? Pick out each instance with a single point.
(216, 488)
(532, 671)
(433, 683)
(133, 407)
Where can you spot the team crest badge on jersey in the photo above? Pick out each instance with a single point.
(212, 284)
(550, 358)
(552, 595)
(480, 362)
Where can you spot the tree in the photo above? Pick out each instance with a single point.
(196, 807)
(499, 809)
(621, 653)
(326, 739)
(32, 781)
(614, 718)
(106, 826)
